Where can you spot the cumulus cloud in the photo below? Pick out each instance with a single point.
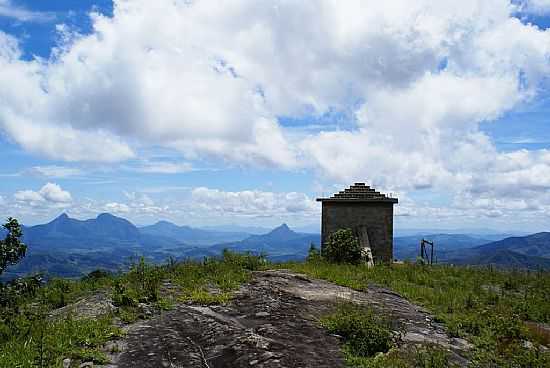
(117, 208)
(50, 194)
(252, 203)
(418, 78)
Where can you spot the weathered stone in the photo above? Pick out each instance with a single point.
(91, 306)
(232, 336)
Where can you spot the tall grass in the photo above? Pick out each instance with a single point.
(485, 305)
(29, 337)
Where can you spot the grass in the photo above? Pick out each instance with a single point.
(484, 305)
(29, 338)
(367, 336)
(44, 343)
(496, 311)
(365, 333)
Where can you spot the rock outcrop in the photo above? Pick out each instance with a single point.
(273, 321)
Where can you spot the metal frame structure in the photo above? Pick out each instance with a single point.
(429, 259)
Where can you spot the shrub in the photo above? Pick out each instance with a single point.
(97, 275)
(342, 247)
(11, 248)
(365, 334)
(247, 261)
(145, 281)
(122, 296)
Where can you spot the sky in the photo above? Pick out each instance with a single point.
(243, 112)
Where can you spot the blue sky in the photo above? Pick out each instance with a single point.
(203, 116)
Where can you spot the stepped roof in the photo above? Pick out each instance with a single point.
(359, 192)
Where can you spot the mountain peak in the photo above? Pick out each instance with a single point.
(165, 223)
(105, 215)
(62, 217)
(282, 229)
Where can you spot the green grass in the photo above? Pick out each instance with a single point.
(29, 338)
(486, 306)
(365, 333)
(370, 343)
(44, 343)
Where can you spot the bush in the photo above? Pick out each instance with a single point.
(97, 275)
(365, 334)
(11, 248)
(342, 247)
(247, 261)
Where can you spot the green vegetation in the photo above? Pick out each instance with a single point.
(30, 336)
(367, 336)
(342, 247)
(39, 342)
(365, 333)
(496, 311)
(11, 248)
(486, 306)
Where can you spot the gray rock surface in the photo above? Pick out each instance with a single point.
(271, 322)
(91, 306)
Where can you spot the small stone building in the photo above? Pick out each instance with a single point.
(368, 213)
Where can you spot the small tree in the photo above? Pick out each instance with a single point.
(313, 254)
(342, 247)
(11, 248)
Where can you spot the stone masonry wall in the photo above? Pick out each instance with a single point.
(377, 217)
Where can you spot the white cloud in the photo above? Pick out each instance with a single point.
(117, 208)
(252, 203)
(54, 171)
(53, 193)
(49, 195)
(28, 196)
(8, 9)
(419, 78)
(164, 167)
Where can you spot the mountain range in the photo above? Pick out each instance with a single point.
(69, 247)
(529, 252)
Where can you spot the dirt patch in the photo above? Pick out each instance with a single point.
(271, 322)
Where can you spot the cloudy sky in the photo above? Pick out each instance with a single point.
(218, 112)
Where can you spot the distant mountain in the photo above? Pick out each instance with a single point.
(408, 247)
(537, 245)
(189, 235)
(489, 234)
(504, 258)
(280, 243)
(532, 251)
(69, 247)
(105, 231)
(232, 228)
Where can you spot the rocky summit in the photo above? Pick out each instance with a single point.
(272, 321)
